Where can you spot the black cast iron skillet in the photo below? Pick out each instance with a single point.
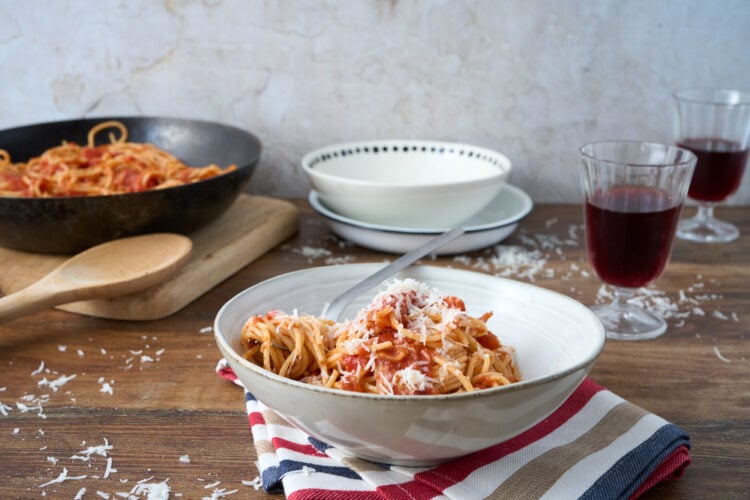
(72, 224)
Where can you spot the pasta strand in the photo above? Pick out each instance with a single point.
(410, 340)
(114, 168)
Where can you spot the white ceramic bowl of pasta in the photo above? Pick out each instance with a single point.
(406, 183)
(556, 341)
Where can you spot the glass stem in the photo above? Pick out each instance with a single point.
(705, 211)
(622, 295)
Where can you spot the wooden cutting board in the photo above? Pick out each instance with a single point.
(252, 226)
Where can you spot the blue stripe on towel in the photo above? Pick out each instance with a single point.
(318, 444)
(272, 476)
(628, 473)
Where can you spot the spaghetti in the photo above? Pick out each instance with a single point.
(114, 168)
(410, 340)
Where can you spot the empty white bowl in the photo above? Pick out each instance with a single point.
(406, 183)
(556, 341)
(492, 224)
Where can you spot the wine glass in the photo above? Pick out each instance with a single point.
(634, 192)
(715, 125)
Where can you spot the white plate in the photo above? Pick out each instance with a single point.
(493, 224)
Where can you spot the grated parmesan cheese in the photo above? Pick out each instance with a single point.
(101, 450)
(352, 345)
(718, 355)
(256, 483)
(312, 253)
(529, 261)
(414, 379)
(419, 310)
(109, 469)
(219, 493)
(4, 409)
(62, 477)
(39, 370)
(153, 491)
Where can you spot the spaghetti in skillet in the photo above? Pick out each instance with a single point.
(116, 167)
(410, 340)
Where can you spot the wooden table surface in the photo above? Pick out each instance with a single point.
(112, 405)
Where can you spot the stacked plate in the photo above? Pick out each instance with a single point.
(491, 225)
(393, 195)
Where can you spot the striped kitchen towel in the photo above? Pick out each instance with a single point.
(596, 445)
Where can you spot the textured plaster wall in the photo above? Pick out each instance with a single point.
(534, 79)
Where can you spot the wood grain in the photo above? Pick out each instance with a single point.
(167, 403)
(251, 227)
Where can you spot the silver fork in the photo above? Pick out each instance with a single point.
(334, 309)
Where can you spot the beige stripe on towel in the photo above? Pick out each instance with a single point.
(536, 477)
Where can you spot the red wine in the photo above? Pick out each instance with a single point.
(629, 233)
(719, 169)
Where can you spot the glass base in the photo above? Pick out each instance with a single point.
(628, 322)
(707, 230)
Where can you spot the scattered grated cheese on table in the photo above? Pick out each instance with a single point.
(62, 477)
(153, 491)
(312, 253)
(718, 355)
(256, 483)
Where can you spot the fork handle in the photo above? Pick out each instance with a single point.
(334, 309)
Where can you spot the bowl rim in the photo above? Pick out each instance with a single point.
(502, 162)
(369, 268)
(317, 204)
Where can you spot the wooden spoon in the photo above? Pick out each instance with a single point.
(115, 268)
